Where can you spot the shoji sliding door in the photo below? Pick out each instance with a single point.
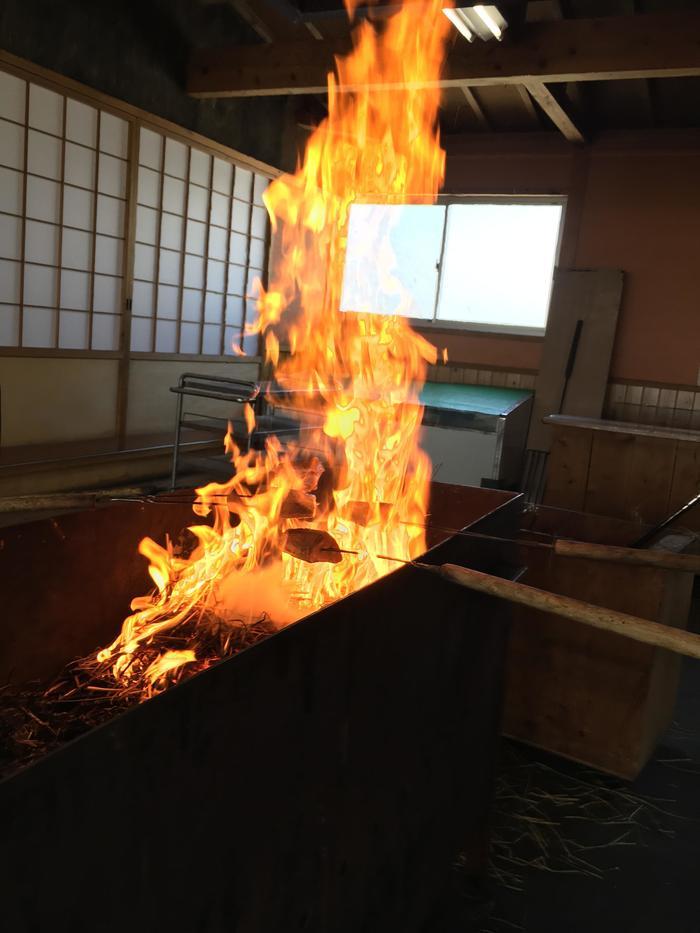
(74, 271)
(200, 250)
(63, 169)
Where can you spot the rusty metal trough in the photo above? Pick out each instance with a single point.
(324, 780)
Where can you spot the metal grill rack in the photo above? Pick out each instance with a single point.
(193, 386)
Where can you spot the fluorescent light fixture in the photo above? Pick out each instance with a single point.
(490, 16)
(460, 22)
(484, 20)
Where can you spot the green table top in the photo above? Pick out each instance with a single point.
(484, 400)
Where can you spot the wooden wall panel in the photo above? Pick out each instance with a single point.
(611, 455)
(616, 472)
(569, 461)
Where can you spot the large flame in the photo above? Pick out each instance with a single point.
(358, 474)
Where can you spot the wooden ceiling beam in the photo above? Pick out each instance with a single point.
(476, 108)
(610, 48)
(555, 111)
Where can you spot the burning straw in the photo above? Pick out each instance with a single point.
(37, 718)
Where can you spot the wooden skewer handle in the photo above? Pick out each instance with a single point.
(628, 555)
(651, 633)
(62, 500)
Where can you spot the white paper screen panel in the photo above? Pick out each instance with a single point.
(201, 235)
(63, 190)
(200, 232)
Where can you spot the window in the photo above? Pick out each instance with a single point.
(482, 264)
(196, 259)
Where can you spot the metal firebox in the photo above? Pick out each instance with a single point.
(324, 780)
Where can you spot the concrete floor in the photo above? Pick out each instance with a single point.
(639, 847)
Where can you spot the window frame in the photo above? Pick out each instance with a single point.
(441, 325)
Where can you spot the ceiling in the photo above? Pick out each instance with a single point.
(579, 110)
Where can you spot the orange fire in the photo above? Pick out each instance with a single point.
(353, 378)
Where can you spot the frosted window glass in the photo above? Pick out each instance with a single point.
(114, 135)
(198, 203)
(238, 249)
(175, 158)
(10, 191)
(11, 145)
(223, 176)
(191, 305)
(108, 294)
(105, 332)
(211, 342)
(77, 250)
(10, 236)
(409, 238)
(258, 226)
(257, 253)
(150, 148)
(200, 167)
(171, 231)
(141, 335)
(41, 243)
(45, 110)
(243, 184)
(168, 301)
(240, 217)
(12, 97)
(218, 241)
(213, 307)
(110, 215)
(43, 199)
(173, 195)
(219, 210)
(111, 176)
(169, 270)
(189, 338)
(80, 166)
(75, 290)
(144, 262)
(148, 187)
(236, 280)
(143, 298)
(234, 309)
(108, 255)
(73, 330)
(146, 225)
(77, 208)
(38, 327)
(44, 155)
(9, 281)
(196, 237)
(260, 184)
(81, 123)
(216, 276)
(498, 263)
(166, 336)
(40, 285)
(9, 326)
(194, 272)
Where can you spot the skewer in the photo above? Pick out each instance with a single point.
(609, 620)
(562, 547)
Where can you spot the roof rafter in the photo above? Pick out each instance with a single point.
(609, 48)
